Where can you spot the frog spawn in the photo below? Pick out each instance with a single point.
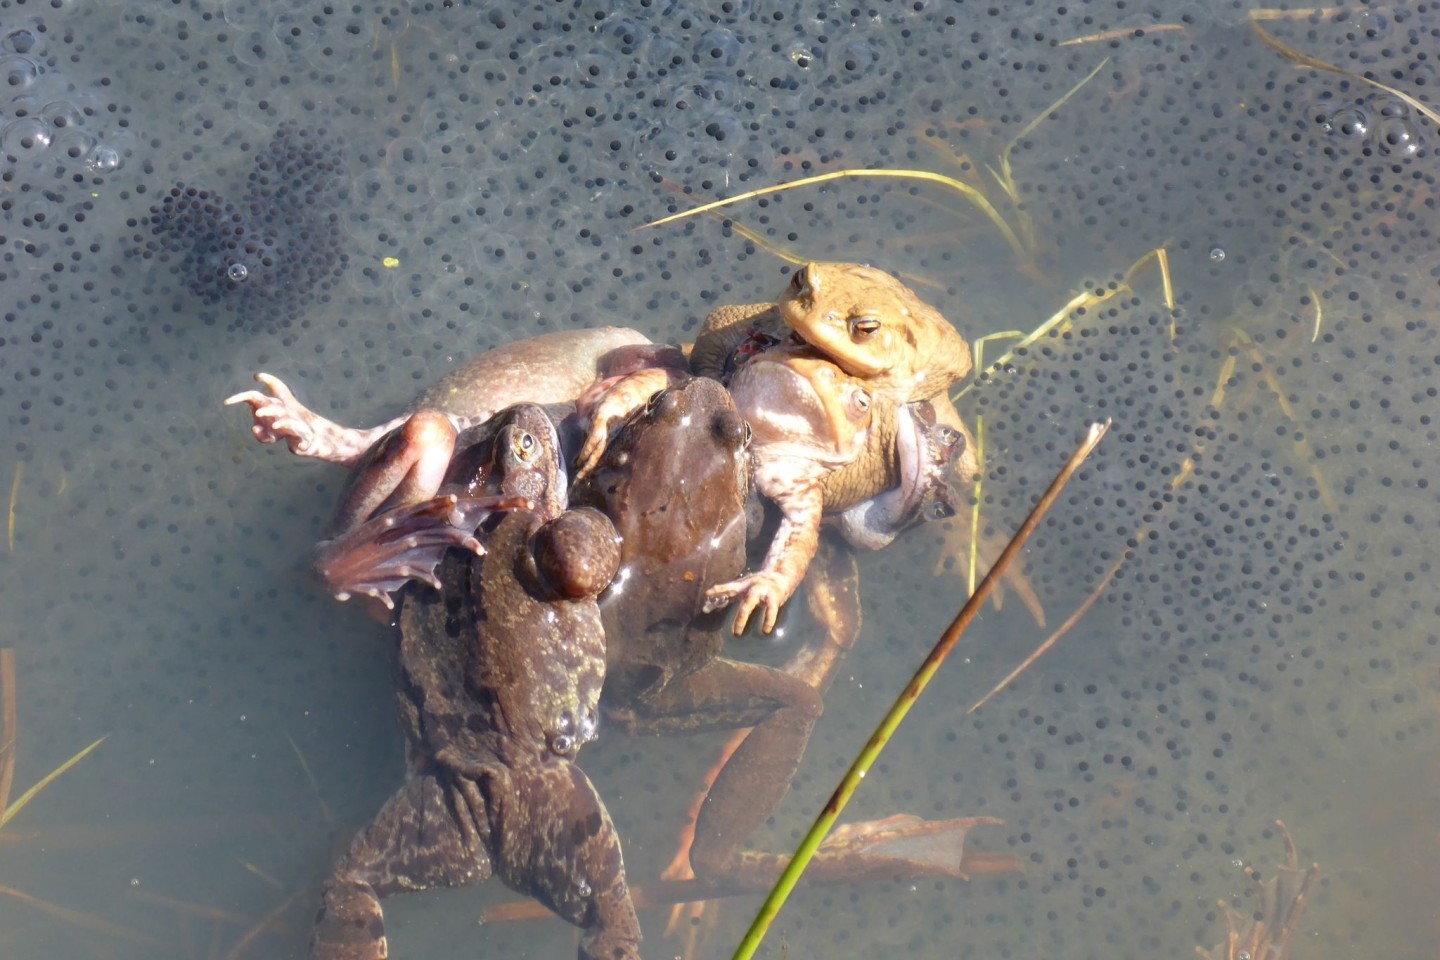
(90, 354)
(270, 255)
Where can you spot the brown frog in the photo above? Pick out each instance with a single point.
(499, 678)
(403, 463)
(898, 349)
(674, 480)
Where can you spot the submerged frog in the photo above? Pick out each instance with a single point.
(909, 461)
(500, 674)
(402, 464)
(675, 480)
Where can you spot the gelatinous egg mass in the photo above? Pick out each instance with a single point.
(396, 185)
(273, 252)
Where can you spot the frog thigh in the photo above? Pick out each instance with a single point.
(415, 841)
(553, 839)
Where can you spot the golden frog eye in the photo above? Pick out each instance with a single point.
(653, 401)
(525, 445)
(747, 435)
(863, 326)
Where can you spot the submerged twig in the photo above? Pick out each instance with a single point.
(891, 722)
(9, 724)
(1305, 60)
(83, 920)
(970, 193)
(49, 778)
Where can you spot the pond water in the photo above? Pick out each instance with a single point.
(1266, 649)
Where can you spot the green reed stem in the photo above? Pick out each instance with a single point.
(851, 781)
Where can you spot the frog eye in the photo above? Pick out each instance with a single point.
(747, 434)
(940, 510)
(799, 281)
(524, 445)
(653, 401)
(860, 399)
(562, 744)
(863, 327)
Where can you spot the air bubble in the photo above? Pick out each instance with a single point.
(237, 273)
(584, 889)
(104, 159)
(1217, 254)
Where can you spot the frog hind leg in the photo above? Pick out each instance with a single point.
(553, 840)
(727, 694)
(405, 466)
(278, 415)
(380, 556)
(423, 837)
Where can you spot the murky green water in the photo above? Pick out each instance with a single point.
(1266, 651)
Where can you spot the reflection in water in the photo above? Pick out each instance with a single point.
(1271, 634)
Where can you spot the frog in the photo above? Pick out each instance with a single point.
(809, 418)
(927, 486)
(914, 462)
(501, 464)
(402, 463)
(499, 673)
(859, 317)
(675, 480)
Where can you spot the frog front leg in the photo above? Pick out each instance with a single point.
(423, 837)
(801, 504)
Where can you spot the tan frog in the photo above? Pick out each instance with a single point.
(861, 319)
(879, 338)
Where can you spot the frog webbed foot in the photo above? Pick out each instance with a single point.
(903, 845)
(380, 556)
(278, 415)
